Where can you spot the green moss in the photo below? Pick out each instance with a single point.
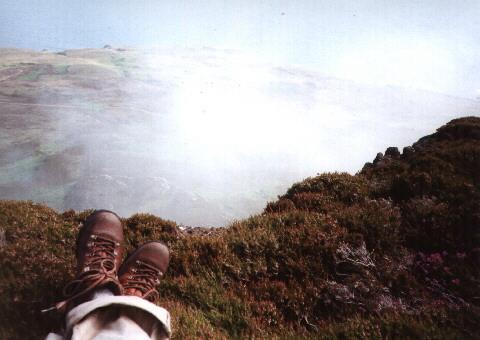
(61, 69)
(32, 75)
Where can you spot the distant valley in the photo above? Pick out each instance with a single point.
(202, 137)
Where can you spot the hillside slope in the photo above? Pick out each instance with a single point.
(392, 251)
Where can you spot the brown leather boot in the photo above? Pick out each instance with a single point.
(141, 272)
(99, 254)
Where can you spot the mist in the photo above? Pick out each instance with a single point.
(201, 136)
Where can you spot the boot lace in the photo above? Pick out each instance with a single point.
(145, 278)
(99, 268)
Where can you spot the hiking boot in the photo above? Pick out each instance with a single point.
(99, 254)
(141, 272)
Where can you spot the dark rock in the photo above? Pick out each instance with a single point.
(367, 165)
(378, 158)
(393, 152)
(408, 151)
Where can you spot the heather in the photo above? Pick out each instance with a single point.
(391, 252)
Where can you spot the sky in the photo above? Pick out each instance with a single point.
(429, 45)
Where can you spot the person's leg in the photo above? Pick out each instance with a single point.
(99, 250)
(95, 306)
(118, 321)
(133, 312)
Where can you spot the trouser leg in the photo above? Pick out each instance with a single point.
(118, 322)
(120, 318)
